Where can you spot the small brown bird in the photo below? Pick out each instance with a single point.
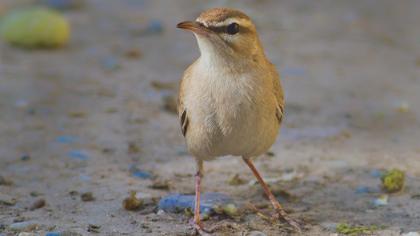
(230, 99)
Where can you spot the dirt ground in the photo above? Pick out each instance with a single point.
(75, 120)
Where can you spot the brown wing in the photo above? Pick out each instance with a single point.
(278, 92)
(182, 110)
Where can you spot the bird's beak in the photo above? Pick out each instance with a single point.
(194, 27)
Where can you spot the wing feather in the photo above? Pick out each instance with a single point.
(182, 110)
(278, 92)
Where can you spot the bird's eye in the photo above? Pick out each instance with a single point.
(232, 28)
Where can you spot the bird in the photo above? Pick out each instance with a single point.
(230, 100)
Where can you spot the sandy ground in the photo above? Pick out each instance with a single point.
(351, 72)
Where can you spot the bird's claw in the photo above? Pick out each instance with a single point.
(199, 230)
(281, 215)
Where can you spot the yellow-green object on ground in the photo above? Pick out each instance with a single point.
(393, 180)
(35, 27)
(230, 210)
(347, 229)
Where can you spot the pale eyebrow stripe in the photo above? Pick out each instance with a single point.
(240, 21)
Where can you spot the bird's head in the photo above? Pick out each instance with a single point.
(225, 32)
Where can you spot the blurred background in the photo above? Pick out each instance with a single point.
(88, 113)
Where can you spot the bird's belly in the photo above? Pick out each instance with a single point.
(232, 126)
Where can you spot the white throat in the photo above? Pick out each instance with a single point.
(211, 54)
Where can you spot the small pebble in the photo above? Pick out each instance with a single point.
(133, 53)
(93, 228)
(381, 201)
(37, 204)
(416, 196)
(27, 234)
(25, 157)
(131, 203)
(23, 226)
(87, 197)
(108, 150)
(270, 154)
(19, 219)
(236, 180)
(7, 200)
(5, 181)
(73, 193)
(256, 233)
(160, 184)
(133, 148)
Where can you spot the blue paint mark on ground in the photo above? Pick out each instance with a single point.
(84, 177)
(363, 189)
(110, 63)
(376, 173)
(78, 155)
(141, 174)
(52, 234)
(179, 202)
(65, 139)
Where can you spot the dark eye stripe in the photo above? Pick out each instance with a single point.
(223, 29)
(218, 29)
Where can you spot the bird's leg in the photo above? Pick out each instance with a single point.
(198, 175)
(281, 213)
(198, 228)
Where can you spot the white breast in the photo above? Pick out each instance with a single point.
(229, 114)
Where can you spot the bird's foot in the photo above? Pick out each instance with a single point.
(198, 229)
(282, 215)
(279, 215)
